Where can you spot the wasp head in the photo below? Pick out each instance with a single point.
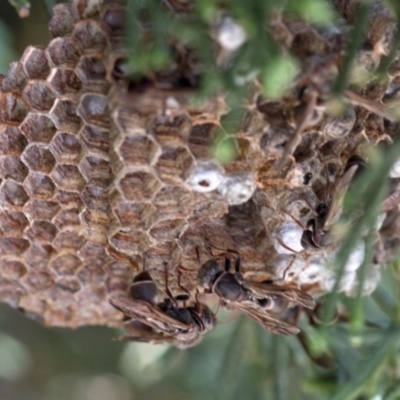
(208, 272)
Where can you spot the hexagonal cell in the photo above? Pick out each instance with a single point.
(134, 214)
(67, 219)
(60, 315)
(13, 246)
(66, 148)
(12, 269)
(201, 139)
(92, 72)
(69, 240)
(35, 63)
(15, 80)
(114, 19)
(41, 232)
(62, 21)
(68, 177)
(168, 229)
(202, 209)
(96, 171)
(39, 95)
(130, 242)
(95, 198)
(137, 150)
(95, 140)
(94, 255)
(39, 280)
(65, 116)
(10, 294)
(39, 159)
(91, 294)
(13, 108)
(96, 220)
(68, 284)
(38, 255)
(13, 168)
(69, 200)
(90, 274)
(65, 82)
(117, 286)
(161, 255)
(12, 223)
(170, 197)
(41, 209)
(87, 8)
(12, 194)
(38, 128)
(65, 264)
(63, 52)
(130, 122)
(174, 163)
(89, 36)
(93, 109)
(173, 133)
(12, 141)
(33, 307)
(139, 185)
(39, 186)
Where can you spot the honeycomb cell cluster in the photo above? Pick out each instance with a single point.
(93, 189)
(89, 189)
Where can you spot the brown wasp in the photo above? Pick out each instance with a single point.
(316, 233)
(261, 301)
(150, 321)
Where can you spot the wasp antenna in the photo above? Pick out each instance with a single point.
(237, 263)
(227, 264)
(198, 254)
(295, 220)
(285, 246)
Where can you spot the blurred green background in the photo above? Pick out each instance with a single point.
(238, 360)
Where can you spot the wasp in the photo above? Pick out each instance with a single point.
(261, 301)
(316, 233)
(148, 320)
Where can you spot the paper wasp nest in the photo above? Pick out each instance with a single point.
(92, 187)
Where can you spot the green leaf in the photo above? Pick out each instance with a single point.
(277, 75)
(318, 12)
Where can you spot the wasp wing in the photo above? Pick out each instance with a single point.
(339, 193)
(267, 289)
(266, 321)
(148, 314)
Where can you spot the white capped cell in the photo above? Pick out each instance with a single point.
(238, 188)
(313, 271)
(288, 268)
(230, 35)
(355, 258)
(347, 281)
(289, 234)
(370, 283)
(205, 177)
